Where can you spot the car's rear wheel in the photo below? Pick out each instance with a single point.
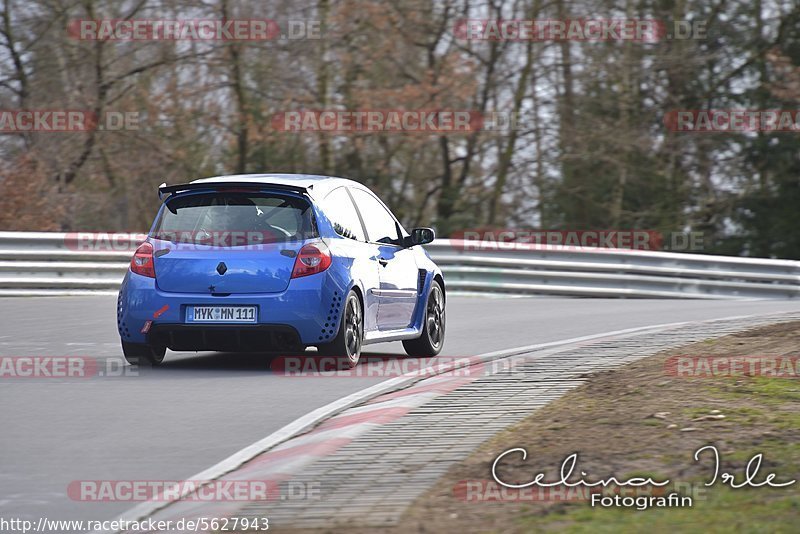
(431, 341)
(143, 354)
(348, 341)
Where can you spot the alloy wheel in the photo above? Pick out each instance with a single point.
(435, 316)
(353, 328)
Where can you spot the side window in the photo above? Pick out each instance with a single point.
(381, 226)
(342, 214)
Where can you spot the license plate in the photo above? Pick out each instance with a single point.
(221, 314)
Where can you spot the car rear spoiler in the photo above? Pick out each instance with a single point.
(165, 191)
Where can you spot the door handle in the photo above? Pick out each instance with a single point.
(383, 262)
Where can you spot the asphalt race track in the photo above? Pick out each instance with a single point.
(197, 409)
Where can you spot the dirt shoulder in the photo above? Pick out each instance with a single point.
(645, 420)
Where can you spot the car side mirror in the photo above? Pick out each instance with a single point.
(420, 236)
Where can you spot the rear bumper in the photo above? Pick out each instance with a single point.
(244, 338)
(306, 313)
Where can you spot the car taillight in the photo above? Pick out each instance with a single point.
(142, 261)
(313, 258)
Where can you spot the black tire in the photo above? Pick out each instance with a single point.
(142, 354)
(431, 341)
(350, 337)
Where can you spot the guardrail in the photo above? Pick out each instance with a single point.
(39, 263)
(599, 272)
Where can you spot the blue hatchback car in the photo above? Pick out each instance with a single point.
(279, 262)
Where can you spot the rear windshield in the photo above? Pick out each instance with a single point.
(235, 219)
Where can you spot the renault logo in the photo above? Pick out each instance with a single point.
(222, 268)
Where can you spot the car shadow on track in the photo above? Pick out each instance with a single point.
(309, 362)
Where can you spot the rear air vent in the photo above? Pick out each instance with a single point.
(333, 316)
(121, 326)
